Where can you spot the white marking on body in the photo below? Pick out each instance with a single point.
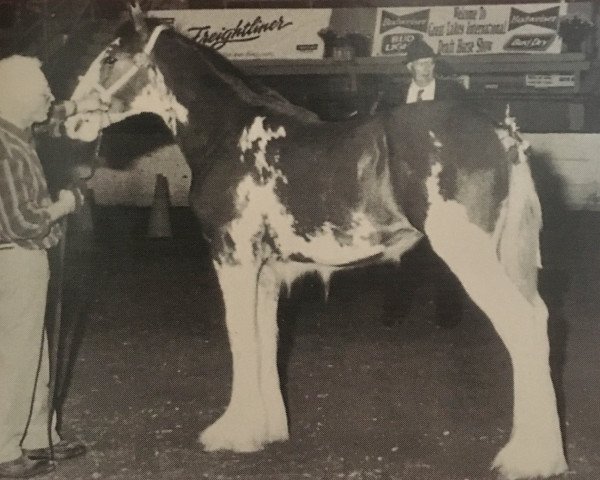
(258, 133)
(259, 207)
(157, 98)
(535, 445)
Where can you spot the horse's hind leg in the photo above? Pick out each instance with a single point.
(519, 316)
(243, 426)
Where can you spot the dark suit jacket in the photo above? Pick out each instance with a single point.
(395, 94)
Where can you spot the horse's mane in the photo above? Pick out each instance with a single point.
(247, 88)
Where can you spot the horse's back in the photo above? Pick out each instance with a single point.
(322, 164)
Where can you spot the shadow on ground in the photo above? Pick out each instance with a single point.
(366, 401)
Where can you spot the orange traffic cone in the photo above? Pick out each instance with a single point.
(159, 225)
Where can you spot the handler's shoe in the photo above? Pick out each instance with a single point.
(63, 450)
(25, 467)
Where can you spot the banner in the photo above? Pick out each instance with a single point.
(551, 80)
(470, 30)
(244, 34)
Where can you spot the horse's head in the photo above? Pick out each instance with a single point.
(128, 81)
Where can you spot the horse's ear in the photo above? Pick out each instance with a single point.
(139, 19)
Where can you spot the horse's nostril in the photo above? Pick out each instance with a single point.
(117, 106)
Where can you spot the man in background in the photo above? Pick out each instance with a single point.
(421, 63)
(422, 264)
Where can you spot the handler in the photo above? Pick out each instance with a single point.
(449, 295)
(28, 227)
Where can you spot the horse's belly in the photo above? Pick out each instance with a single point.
(363, 242)
(264, 227)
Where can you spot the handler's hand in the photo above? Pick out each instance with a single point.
(65, 204)
(68, 200)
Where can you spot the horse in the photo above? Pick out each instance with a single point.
(280, 193)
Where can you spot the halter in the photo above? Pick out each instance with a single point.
(106, 94)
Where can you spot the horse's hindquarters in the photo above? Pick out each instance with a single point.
(500, 282)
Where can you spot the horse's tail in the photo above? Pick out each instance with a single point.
(520, 223)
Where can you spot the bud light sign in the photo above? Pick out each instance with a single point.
(396, 43)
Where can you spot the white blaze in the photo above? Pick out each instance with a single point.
(155, 97)
(88, 81)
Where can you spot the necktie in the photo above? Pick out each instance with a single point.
(420, 95)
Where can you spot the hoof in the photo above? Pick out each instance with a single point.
(213, 440)
(527, 461)
(279, 434)
(238, 433)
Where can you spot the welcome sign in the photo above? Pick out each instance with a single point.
(470, 30)
(242, 34)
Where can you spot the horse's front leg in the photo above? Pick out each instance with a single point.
(267, 299)
(243, 426)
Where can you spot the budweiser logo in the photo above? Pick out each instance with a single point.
(243, 31)
(415, 21)
(547, 18)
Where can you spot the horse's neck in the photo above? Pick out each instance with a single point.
(211, 107)
(212, 132)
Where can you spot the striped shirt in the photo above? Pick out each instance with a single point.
(24, 197)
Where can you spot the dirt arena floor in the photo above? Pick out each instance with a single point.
(413, 401)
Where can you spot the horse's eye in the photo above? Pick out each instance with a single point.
(110, 60)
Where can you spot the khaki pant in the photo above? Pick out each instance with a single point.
(24, 278)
